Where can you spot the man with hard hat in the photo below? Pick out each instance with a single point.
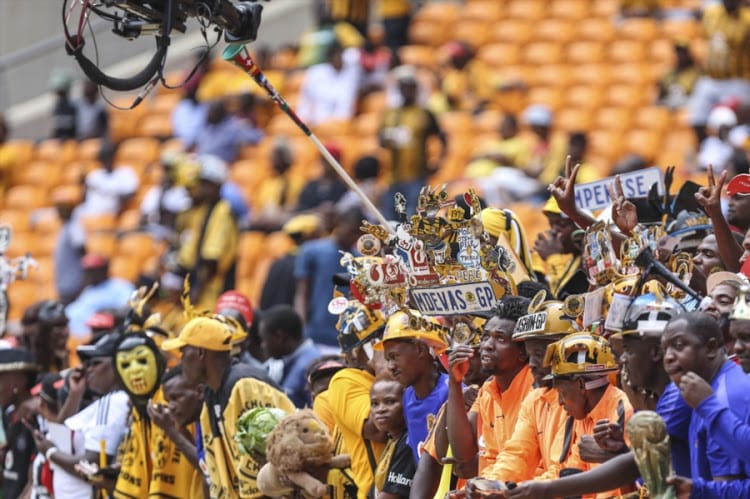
(231, 388)
(411, 342)
(532, 450)
(209, 235)
(490, 422)
(580, 367)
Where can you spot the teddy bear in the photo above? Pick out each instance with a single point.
(299, 442)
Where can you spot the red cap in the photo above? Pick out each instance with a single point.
(335, 149)
(101, 320)
(94, 261)
(740, 184)
(236, 301)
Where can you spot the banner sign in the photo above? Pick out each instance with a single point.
(454, 299)
(595, 195)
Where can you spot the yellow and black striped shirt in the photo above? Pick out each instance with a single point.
(728, 43)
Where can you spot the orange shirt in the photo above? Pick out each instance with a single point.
(535, 447)
(497, 413)
(614, 406)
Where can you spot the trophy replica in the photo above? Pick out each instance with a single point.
(650, 444)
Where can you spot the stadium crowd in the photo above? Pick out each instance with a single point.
(201, 264)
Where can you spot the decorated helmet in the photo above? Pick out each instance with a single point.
(414, 326)
(358, 325)
(546, 319)
(648, 314)
(580, 353)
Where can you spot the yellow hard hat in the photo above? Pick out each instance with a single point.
(546, 319)
(580, 353)
(357, 325)
(414, 326)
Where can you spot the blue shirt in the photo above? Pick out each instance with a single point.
(417, 412)
(317, 262)
(294, 379)
(224, 139)
(676, 415)
(112, 293)
(711, 456)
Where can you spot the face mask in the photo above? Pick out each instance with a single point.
(138, 367)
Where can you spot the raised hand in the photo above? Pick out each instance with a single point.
(458, 362)
(563, 189)
(547, 243)
(709, 196)
(624, 213)
(609, 436)
(694, 389)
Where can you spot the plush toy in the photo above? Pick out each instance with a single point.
(298, 443)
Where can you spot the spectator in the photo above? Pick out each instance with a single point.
(318, 261)
(396, 15)
(70, 246)
(376, 61)
(354, 12)
(404, 133)
(366, 173)
(547, 149)
(726, 73)
(326, 188)
(280, 286)
(108, 189)
(329, 90)
(45, 334)
(223, 134)
(278, 196)
(716, 150)
(100, 292)
(103, 422)
(281, 338)
(64, 112)
(237, 306)
(91, 114)
(320, 372)
(7, 156)
(464, 82)
(163, 203)
(47, 393)
(510, 150)
(189, 116)
(231, 388)
(738, 209)
(577, 148)
(17, 374)
(209, 249)
(676, 86)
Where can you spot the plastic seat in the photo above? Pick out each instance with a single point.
(539, 53)
(573, 119)
(638, 28)
(653, 118)
(530, 10)
(595, 29)
(613, 118)
(569, 9)
(635, 73)
(644, 142)
(97, 223)
(21, 243)
(136, 245)
(21, 295)
(555, 30)
(584, 53)
(23, 150)
(584, 97)
(621, 51)
(417, 55)
(249, 252)
(628, 96)
(517, 31)
(155, 125)
(367, 124)
(591, 74)
(553, 75)
(499, 54)
(138, 150)
(17, 219)
(475, 32)
(673, 29)
(88, 149)
(129, 220)
(487, 122)
(55, 150)
(101, 243)
(46, 222)
(164, 103)
(552, 97)
(124, 268)
(483, 10)
(437, 12)
(43, 173)
(25, 197)
(608, 143)
(427, 33)
(605, 8)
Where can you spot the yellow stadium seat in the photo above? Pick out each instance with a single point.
(642, 29)
(427, 33)
(653, 118)
(25, 197)
(661, 53)
(155, 125)
(552, 97)
(635, 73)
(605, 143)
(17, 219)
(539, 53)
(484, 10)
(101, 243)
(417, 55)
(584, 97)
(605, 8)
(621, 51)
(21, 295)
(44, 173)
(613, 118)
(23, 150)
(138, 150)
(570, 9)
(591, 74)
(46, 222)
(584, 53)
(164, 103)
(440, 12)
(595, 29)
(573, 119)
(517, 31)
(628, 96)
(122, 122)
(553, 75)
(475, 32)
(55, 150)
(88, 149)
(555, 30)
(499, 54)
(644, 142)
(21, 243)
(530, 10)
(95, 223)
(330, 130)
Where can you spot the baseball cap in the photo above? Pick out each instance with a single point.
(721, 277)
(104, 347)
(17, 359)
(234, 300)
(94, 261)
(740, 184)
(202, 332)
(302, 224)
(721, 116)
(537, 115)
(48, 387)
(212, 169)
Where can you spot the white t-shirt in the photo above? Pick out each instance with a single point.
(176, 200)
(327, 94)
(104, 189)
(105, 419)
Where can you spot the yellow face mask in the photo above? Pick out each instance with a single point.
(138, 370)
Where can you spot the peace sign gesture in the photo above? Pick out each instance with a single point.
(624, 213)
(710, 196)
(563, 189)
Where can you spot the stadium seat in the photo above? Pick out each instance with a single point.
(88, 149)
(573, 119)
(498, 55)
(43, 173)
(643, 142)
(475, 32)
(606, 143)
(553, 75)
(141, 150)
(555, 30)
(605, 8)
(642, 29)
(23, 150)
(634, 73)
(17, 219)
(541, 53)
(584, 53)
(125, 268)
(157, 125)
(129, 220)
(681, 28)
(584, 97)
(613, 118)
(621, 51)
(595, 29)
(25, 197)
(368, 124)
(21, 295)
(591, 74)
(655, 118)
(417, 55)
(55, 150)
(569, 9)
(530, 10)
(164, 103)
(552, 97)
(21, 243)
(628, 96)
(102, 243)
(438, 12)
(428, 33)
(517, 31)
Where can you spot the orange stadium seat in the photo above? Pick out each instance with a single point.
(125, 268)
(591, 74)
(499, 54)
(555, 30)
(374, 102)
(25, 197)
(482, 10)
(427, 33)
(595, 29)
(552, 97)
(584, 96)
(518, 31)
(138, 150)
(23, 150)
(661, 52)
(629, 96)
(638, 28)
(540, 53)
(21, 295)
(530, 10)
(605, 8)
(43, 173)
(101, 243)
(417, 55)
(573, 119)
(368, 124)
(17, 219)
(584, 53)
(635, 73)
(613, 118)
(155, 125)
(46, 222)
(164, 103)
(687, 29)
(655, 118)
(553, 75)
(88, 149)
(643, 142)
(570, 9)
(439, 12)
(94, 223)
(136, 245)
(21, 242)
(606, 143)
(456, 123)
(475, 32)
(621, 51)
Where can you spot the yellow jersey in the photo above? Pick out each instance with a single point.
(728, 43)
